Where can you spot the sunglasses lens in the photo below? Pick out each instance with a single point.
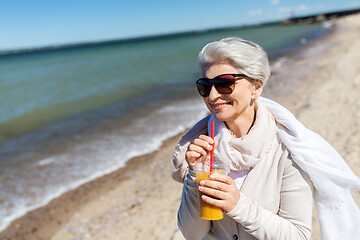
(224, 84)
(204, 87)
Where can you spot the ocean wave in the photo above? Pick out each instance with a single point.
(44, 162)
(328, 24)
(278, 63)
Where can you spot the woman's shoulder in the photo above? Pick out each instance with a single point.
(199, 128)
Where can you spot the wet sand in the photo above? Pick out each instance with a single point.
(319, 84)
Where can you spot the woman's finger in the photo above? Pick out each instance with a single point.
(197, 148)
(222, 178)
(212, 201)
(215, 185)
(193, 154)
(202, 143)
(207, 139)
(214, 193)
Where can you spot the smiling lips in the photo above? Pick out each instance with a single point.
(219, 106)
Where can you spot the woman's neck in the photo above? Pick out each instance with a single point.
(242, 125)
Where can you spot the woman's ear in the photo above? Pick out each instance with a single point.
(257, 88)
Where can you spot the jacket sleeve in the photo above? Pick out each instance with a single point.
(189, 221)
(180, 164)
(293, 219)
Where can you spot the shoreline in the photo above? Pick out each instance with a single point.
(56, 219)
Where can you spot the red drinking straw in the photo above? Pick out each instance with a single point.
(213, 146)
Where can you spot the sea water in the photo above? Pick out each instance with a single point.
(72, 114)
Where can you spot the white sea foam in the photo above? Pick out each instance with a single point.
(278, 63)
(303, 41)
(328, 24)
(45, 161)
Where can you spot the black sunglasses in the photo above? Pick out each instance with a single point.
(224, 84)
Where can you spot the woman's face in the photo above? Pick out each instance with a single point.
(234, 106)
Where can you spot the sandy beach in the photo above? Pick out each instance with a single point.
(319, 84)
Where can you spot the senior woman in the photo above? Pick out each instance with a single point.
(274, 161)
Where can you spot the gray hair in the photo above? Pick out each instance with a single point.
(248, 57)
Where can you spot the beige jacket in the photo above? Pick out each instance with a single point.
(275, 198)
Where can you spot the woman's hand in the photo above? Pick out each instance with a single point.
(220, 191)
(197, 149)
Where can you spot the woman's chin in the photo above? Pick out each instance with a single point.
(220, 116)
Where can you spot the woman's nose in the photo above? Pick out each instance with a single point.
(214, 94)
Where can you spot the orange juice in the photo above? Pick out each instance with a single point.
(208, 211)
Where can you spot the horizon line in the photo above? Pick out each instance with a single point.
(301, 19)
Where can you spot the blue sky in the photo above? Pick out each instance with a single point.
(37, 23)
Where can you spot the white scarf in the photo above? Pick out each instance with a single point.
(339, 216)
(235, 152)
